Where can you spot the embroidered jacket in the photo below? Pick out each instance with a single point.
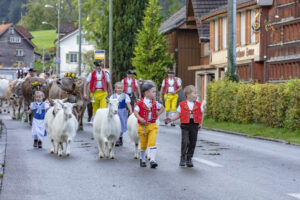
(126, 85)
(94, 80)
(186, 112)
(167, 84)
(144, 111)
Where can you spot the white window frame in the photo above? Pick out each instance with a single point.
(243, 28)
(19, 52)
(216, 35)
(224, 33)
(253, 39)
(11, 30)
(15, 39)
(73, 57)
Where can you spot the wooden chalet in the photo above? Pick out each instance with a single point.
(187, 39)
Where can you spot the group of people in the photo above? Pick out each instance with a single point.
(145, 108)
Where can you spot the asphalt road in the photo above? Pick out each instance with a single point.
(227, 167)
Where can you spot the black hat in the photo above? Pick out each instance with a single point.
(32, 70)
(97, 63)
(130, 71)
(170, 71)
(147, 87)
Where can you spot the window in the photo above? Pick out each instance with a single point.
(19, 52)
(15, 40)
(73, 57)
(20, 63)
(216, 36)
(224, 34)
(11, 30)
(252, 23)
(243, 29)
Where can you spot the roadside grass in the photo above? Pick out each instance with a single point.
(44, 39)
(255, 130)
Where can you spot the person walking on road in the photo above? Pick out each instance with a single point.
(38, 108)
(147, 111)
(190, 113)
(131, 86)
(100, 85)
(124, 101)
(169, 90)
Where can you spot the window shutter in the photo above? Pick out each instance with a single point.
(15, 52)
(212, 36)
(24, 53)
(68, 58)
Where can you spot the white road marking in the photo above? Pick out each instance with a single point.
(296, 195)
(207, 162)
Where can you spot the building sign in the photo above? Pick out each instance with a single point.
(99, 54)
(241, 53)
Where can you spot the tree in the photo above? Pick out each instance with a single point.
(127, 17)
(151, 57)
(169, 7)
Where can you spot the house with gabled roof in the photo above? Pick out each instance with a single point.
(188, 39)
(16, 49)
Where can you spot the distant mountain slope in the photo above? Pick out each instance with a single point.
(11, 10)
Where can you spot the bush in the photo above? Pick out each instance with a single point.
(275, 105)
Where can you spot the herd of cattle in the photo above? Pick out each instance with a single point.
(65, 116)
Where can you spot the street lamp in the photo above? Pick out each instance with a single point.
(57, 7)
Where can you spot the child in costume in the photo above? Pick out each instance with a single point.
(124, 100)
(190, 113)
(147, 111)
(38, 108)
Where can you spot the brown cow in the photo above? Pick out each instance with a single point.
(74, 90)
(28, 93)
(15, 96)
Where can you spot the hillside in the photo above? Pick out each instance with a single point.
(44, 39)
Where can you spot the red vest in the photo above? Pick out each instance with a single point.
(144, 111)
(167, 84)
(185, 112)
(126, 85)
(93, 82)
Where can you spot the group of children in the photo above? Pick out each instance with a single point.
(146, 110)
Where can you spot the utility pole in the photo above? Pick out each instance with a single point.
(79, 29)
(58, 32)
(110, 38)
(231, 51)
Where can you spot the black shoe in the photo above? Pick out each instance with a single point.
(89, 119)
(35, 143)
(182, 162)
(40, 144)
(119, 142)
(153, 164)
(173, 124)
(189, 163)
(143, 163)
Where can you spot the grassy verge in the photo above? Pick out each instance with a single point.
(255, 130)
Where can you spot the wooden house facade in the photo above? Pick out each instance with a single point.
(187, 39)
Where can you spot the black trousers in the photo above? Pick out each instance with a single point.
(90, 110)
(189, 134)
(132, 100)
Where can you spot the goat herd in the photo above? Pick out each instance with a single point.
(65, 116)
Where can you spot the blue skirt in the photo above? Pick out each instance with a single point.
(123, 118)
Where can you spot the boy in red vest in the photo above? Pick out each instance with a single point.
(147, 111)
(131, 86)
(190, 113)
(99, 86)
(170, 87)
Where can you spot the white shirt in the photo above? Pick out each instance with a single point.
(171, 88)
(127, 98)
(191, 106)
(148, 103)
(99, 77)
(129, 88)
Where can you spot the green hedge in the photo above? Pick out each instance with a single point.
(275, 105)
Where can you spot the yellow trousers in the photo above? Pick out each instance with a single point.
(171, 102)
(100, 101)
(147, 134)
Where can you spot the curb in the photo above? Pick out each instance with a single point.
(247, 135)
(3, 142)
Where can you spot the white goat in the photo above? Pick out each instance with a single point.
(107, 128)
(132, 125)
(49, 117)
(64, 128)
(4, 83)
